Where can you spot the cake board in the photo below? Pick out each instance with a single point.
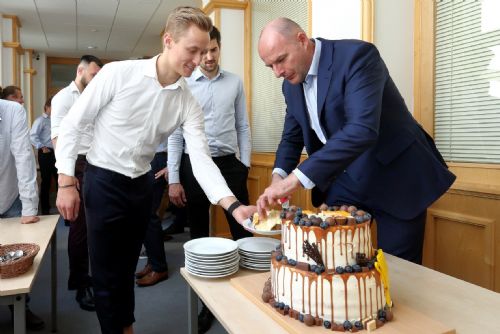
(406, 320)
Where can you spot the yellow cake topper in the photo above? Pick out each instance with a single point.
(381, 267)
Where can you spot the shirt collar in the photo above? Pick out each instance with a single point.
(198, 74)
(44, 115)
(313, 69)
(150, 71)
(73, 87)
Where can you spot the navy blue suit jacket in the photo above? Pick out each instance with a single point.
(374, 149)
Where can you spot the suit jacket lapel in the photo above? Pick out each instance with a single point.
(325, 72)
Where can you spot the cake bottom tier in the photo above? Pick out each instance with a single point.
(331, 297)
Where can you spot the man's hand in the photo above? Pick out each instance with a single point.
(177, 195)
(68, 198)
(279, 188)
(162, 172)
(244, 212)
(29, 219)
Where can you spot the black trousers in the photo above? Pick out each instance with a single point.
(235, 173)
(118, 210)
(78, 250)
(153, 242)
(48, 170)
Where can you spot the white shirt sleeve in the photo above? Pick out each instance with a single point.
(60, 106)
(34, 133)
(25, 163)
(83, 113)
(204, 169)
(175, 149)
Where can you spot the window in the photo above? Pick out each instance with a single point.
(467, 80)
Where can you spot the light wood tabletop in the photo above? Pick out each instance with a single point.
(464, 306)
(13, 290)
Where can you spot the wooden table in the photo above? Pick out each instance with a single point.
(466, 307)
(13, 290)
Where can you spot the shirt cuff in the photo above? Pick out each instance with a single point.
(173, 177)
(306, 182)
(280, 172)
(30, 207)
(218, 193)
(65, 166)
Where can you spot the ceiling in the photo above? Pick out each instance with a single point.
(110, 29)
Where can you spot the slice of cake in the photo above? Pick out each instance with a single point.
(271, 222)
(326, 272)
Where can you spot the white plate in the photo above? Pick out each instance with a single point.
(211, 265)
(255, 268)
(211, 271)
(210, 246)
(208, 275)
(266, 255)
(248, 224)
(211, 259)
(258, 245)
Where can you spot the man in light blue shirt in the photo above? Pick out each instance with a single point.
(40, 139)
(221, 96)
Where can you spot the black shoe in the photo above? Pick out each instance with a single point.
(85, 298)
(205, 319)
(33, 322)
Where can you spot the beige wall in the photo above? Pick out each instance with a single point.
(232, 40)
(393, 35)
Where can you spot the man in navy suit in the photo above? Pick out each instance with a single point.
(364, 147)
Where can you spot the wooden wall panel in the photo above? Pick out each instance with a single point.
(461, 238)
(461, 246)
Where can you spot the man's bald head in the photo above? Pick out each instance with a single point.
(283, 26)
(284, 47)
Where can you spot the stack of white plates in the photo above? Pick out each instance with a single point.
(255, 252)
(211, 257)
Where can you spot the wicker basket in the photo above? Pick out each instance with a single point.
(13, 268)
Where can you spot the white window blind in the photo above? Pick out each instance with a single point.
(268, 104)
(467, 77)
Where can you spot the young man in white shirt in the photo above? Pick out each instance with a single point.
(220, 94)
(79, 274)
(134, 106)
(40, 139)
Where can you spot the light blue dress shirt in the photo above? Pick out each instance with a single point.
(226, 122)
(310, 86)
(40, 132)
(17, 161)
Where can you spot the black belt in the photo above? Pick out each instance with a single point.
(229, 156)
(103, 171)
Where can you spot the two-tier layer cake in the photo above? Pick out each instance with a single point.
(326, 272)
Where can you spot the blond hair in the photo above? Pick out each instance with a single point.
(181, 18)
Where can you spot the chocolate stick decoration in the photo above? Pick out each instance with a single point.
(313, 252)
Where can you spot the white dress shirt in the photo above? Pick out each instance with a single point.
(40, 132)
(17, 161)
(310, 87)
(61, 103)
(226, 122)
(132, 114)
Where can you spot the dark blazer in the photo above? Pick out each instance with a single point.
(375, 149)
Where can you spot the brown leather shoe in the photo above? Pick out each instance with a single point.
(146, 270)
(152, 278)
